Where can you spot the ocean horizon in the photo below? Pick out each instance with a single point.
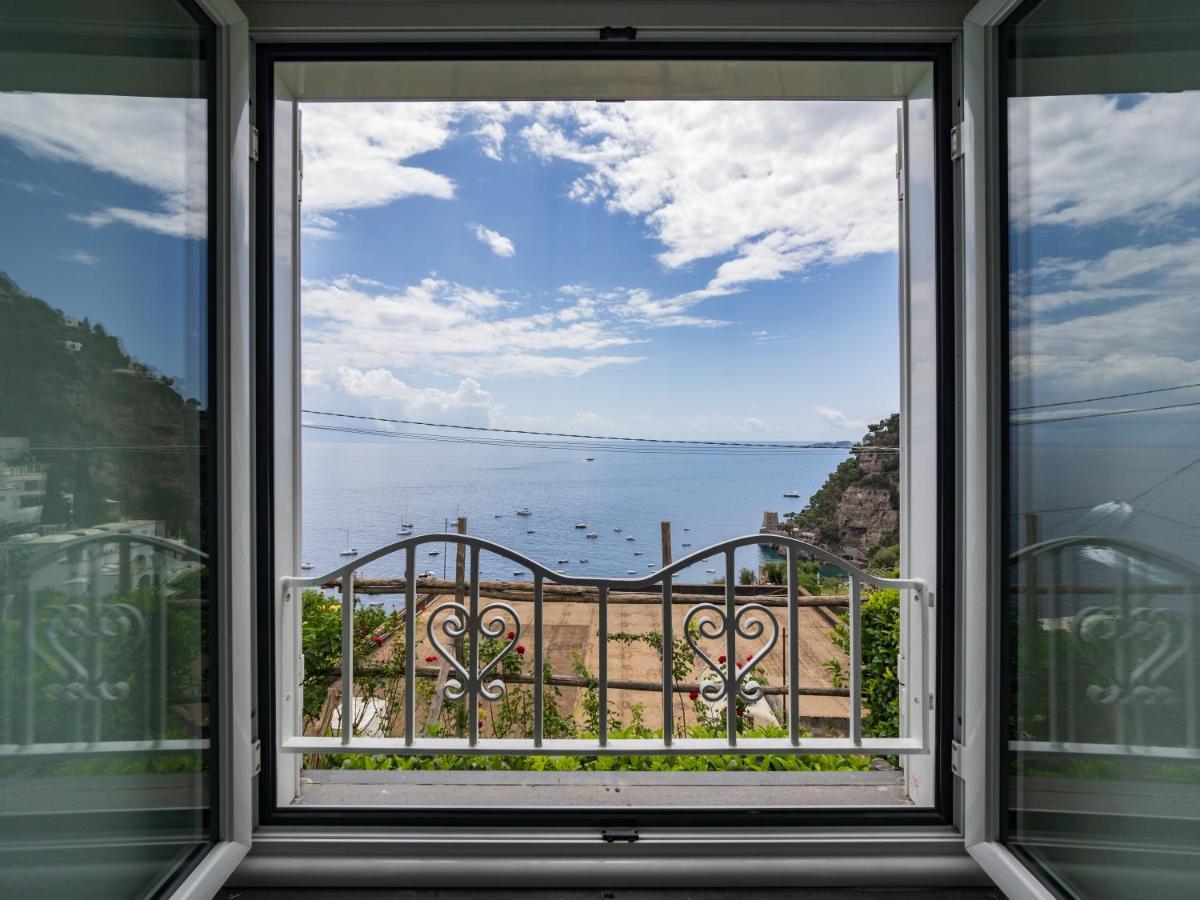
(360, 493)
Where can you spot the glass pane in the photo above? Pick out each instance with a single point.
(105, 600)
(1103, 142)
(597, 335)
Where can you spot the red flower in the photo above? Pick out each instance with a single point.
(379, 638)
(431, 659)
(740, 664)
(521, 649)
(511, 635)
(750, 657)
(720, 659)
(693, 695)
(481, 704)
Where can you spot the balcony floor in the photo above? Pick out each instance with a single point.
(339, 788)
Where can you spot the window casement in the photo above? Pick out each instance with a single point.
(917, 76)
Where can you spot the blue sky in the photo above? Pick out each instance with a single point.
(674, 269)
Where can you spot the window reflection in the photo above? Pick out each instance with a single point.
(1104, 449)
(105, 692)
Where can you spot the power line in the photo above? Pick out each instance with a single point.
(665, 447)
(1110, 413)
(752, 445)
(1178, 387)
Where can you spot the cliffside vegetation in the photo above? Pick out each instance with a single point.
(856, 512)
(106, 426)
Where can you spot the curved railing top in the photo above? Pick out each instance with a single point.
(53, 552)
(1132, 548)
(638, 583)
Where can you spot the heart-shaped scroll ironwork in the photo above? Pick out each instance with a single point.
(75, 621)
(1155, 629)
(456, 622)
(745, 625)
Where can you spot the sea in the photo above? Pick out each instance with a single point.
(360, 493)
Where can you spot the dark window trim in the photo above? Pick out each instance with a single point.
(939, 54)
(215, 382)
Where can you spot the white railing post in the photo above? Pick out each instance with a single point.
(602, 690)
(855, 662)
(539, 711)
(731, 660)
(410, 644)
(793, 649)
(347, 656)
(668, 662)
(473, 634)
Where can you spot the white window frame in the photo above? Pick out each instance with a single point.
(883, 855)
(984, 231)
(234, 748)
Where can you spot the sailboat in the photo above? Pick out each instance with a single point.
(350, 551)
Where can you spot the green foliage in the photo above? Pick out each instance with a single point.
(881, 644)
(773, 762)
(746, 576)
(885, 559)
(820, 515)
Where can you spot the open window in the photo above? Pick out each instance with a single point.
(478, 595)
(1080, 754)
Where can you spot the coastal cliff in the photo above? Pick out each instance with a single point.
(856, 512)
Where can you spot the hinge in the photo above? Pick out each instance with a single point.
(253, 144)
(255, 758)
(300, 177)
(956, 147)
(956, 758)
(613, 835)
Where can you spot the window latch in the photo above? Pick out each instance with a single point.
(612, 33)
(626, 835)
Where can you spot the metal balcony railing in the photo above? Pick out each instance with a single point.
(87, 662)
(1110, 637)
(475, 680)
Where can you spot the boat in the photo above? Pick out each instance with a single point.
(428, 574)
(631, 571)
(406, 531)
(435, 552)
(583, 560)
(687, 529)
(617, 530)
(406, 524)
(592, 536)
(306, 566)
(353, 551)
(589, 459)
(517, 574)
(631, 538)
(529, 531)
(795, 494)
(685, 544)
(637, 552)
(498, 516)
(711, 571)
(581, 524)
(561, 561)
(378, 604)
(524, 511)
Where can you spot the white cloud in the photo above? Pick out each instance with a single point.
(839, 419)
(355, 153)
(81, 257)
(491, 139)
(493, 240)
(1085, 160)
(1123, 322)
(146, 141)
(452, 328)
(753, 424)
(467, 403)
(777, 185)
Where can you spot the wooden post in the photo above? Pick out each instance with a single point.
(666, 543)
